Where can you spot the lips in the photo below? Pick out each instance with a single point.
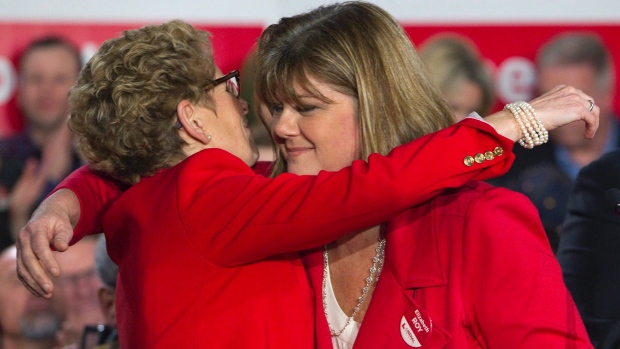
(296, 151)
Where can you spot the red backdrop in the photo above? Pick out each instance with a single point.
(231, 45)
(510, 48)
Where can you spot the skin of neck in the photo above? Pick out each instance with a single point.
(350, 258)
(192, 145)
(356, 241)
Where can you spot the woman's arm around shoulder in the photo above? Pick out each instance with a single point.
(75, 208)
(227, 210)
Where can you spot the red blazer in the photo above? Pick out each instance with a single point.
(475, 262)
(206, 249)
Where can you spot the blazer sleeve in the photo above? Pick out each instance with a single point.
(96, 192)
(292, 213)
(514, 295)
(438, 160)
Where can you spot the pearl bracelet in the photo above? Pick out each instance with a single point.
(534, 133)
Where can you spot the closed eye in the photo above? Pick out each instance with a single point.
(306, 109)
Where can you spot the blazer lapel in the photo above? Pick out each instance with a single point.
(313, 261)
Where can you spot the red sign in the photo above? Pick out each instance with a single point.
(231, 45)
(510, 48)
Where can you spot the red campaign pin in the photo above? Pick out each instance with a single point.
(415, 327)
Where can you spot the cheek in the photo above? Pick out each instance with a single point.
(28, 94)
(265, 116)
(339, 146)
(62, 91)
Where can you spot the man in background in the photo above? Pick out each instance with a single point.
(107, 271)
(26, 321)
(34, 161)
(79, 287)
(589, 251)
(546, 173)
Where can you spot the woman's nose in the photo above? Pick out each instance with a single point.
(285, 125)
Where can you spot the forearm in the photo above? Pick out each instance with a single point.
(93, 193)
(63, 203)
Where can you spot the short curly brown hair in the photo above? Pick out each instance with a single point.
(124, 104)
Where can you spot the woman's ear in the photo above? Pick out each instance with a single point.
(193, 121)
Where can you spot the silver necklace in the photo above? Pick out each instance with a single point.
(375, 271)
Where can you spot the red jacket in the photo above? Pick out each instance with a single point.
(206, 249)
(476, 263)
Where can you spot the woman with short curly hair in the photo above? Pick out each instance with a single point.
(120, 110)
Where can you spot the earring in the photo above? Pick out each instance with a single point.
(208, 138)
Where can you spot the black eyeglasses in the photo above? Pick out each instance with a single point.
(232, 86)
(232, 82)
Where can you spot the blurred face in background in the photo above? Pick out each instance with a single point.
(79, 286)
(46, 75)
(464, 97)
(23, 316)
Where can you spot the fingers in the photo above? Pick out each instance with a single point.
(61, 240)
(29, 269)
(35, 259)
(592, 120)
(563, 105)
(590, 115)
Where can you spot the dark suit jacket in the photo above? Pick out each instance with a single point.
(589, 250)
(536, 173)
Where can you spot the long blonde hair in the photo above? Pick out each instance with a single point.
(451, 60)
(362, 51)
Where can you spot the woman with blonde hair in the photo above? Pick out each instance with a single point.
(207, 249)
(460, 73)
(471, 268)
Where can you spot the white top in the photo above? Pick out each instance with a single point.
(337, 318)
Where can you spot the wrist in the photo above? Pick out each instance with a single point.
(532, 129)
(505, 124)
